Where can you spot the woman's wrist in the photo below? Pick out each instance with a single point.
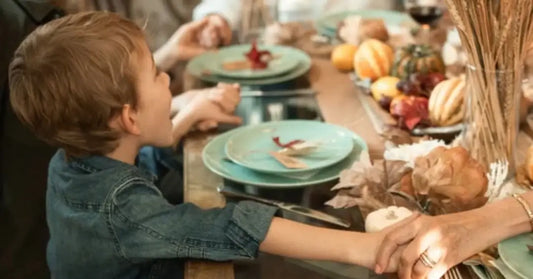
(503, 219)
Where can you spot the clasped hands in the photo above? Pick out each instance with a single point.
(424, 246)
(209, 106)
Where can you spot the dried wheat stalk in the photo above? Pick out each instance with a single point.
(495, 35)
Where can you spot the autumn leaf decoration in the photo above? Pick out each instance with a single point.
(258, 58)
(366, 184)
(443, 181)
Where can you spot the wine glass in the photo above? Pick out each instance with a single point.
(256, 15)
(427, 13)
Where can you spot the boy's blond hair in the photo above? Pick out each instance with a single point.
(69, 77)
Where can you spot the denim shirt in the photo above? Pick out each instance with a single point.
(108, 220)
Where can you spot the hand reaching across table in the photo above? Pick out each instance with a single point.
(205, 109)
(435, 244)
(193, 39)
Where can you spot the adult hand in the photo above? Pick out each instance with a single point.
(216, 33)
(182, 45)
(446, 240)
(226, 95)
(185, 39)
(203, 109)
(394, 259)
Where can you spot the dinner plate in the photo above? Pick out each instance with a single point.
(516, 256)
(328, 24)
(214, 157)
(199, 67)
(250, 146)
(284, 61)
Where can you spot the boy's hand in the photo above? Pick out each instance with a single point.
(224, 94)
(227, 96)
(202, 108)
(394, 259)
(216, 33)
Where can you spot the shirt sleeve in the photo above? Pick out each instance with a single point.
(229, 9)
(146, 226)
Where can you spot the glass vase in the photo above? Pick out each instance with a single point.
(492, 103)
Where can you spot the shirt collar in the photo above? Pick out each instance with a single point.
(94, 163)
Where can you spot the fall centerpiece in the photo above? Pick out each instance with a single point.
(441, 180)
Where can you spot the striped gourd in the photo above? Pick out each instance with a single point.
(373, 59)
(446, 103)
(416, 59)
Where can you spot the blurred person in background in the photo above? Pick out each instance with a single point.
(24, 159)
(287, 10)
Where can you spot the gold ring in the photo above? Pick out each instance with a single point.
(426, 260)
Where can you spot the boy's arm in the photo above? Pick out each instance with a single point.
(181, 125)
(297, 240)
(148, 227)
(292, 239)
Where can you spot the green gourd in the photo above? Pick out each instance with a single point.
(416, 59)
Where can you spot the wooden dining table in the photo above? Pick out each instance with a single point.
(340, 102)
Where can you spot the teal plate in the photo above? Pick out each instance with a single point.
(198, 67)
(516, 256)
(250, 146)
(214, 157)
(284, 63)
(329, 23)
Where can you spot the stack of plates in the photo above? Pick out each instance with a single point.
(242, 155)
(290, 63)
(329, 24)
(515, 257)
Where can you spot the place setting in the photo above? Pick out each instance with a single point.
(283, 154)
(250, 64)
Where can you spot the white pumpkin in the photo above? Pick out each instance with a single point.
(446, 102)
(385, 217)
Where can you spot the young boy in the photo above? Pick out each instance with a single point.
(87, 84)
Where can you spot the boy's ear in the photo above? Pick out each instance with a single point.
(129, 120)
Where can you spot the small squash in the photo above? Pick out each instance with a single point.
(382, 218)
(373, 59)
(385, 87)
(417, 59)
(446, 102)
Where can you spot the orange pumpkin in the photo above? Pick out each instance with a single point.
(373, 59)
(342, 57)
